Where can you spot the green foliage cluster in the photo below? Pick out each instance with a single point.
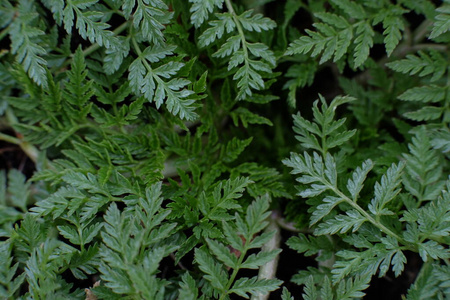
(164, 167)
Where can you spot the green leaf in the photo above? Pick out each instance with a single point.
(286, 295)
(26, 42)
(387, 190)
(149, 18)
(18, 189)
(218, 27)
(78, 91)
(215, 274)
(312, 245)
(352, 9)
(233, 148)
(434, 250)
(393, 26)
(222, 253)
(150, 83)
(423, 64)
(363, 42)
(352, 288)
(252, 286)
(254, 261)
(255, 217)
(329, 202)
(423, 168)
(188, 287)
(355, 184)
(425, 113)
(255, 22)
(341, 223)
(247, 117)
(442, 21)
(310, 292)
(201, 9)
(428, 93)
(89, 24)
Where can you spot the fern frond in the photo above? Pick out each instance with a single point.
(151, 83)
(241, 234)
(423, 64)
(201, 9)
(325, 133)
(423, 169)
(26, 42)
(442, 20)
(250, 60)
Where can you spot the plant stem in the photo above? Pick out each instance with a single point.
(269, 270)
(31, 151)
(366, 215)
(421, 31)
(239, 28)
(235, 271)
(4, 32)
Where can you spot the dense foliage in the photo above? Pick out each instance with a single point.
(158, 160)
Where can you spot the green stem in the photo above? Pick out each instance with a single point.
(3, 33)
(239, 28)
(366, 215)
(421, 31)
(31, 151)
(235, 271)
(10, 139)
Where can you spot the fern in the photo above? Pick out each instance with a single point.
(145, 149)
(334, 35)
(425, 64)
(384, 245)
(250, 60)
(442, 22)
(241, 236)
(26, 46)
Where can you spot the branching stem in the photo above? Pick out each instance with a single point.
(365, 214)
(239, 28)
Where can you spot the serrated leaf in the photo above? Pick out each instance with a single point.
(252, 286)
(355, 184)
(247, 117)
(310, 291)
(428, 93)
(222, 253)
(352, 9)
(434, 250)
(423, 64)
(233, 149)
(255, 22)
(341, 223)
(201, 9)
(386, 190)
(364, 42)
(425, 113)
(329, 202)
(188, 287)
(393, 25)
(218, 27)
(310, 246)
(254, 261)
(442, 21)
(215, 274)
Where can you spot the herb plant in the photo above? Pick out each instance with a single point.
(153, 156)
